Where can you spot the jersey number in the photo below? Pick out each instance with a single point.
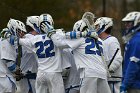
(90, 49)
(46, 49)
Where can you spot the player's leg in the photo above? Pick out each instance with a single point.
(23, 84)
(55, 82)
(115, 87)
(32, 81)
(13, 88)
(102, 86)
(7, 86)
(41, 83)
(89, 85)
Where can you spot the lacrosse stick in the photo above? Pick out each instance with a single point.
(88, 18)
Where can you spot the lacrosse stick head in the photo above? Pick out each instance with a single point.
(89, 17)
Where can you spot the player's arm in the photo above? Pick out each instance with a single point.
(133, 65)
(76, 35)
(117, 62)
(62, 42)
(59, 40)
(26, 42)
(11, 65)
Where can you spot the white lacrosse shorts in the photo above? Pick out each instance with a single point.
(94, 85)
(49, 82)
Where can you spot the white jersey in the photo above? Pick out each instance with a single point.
(86, 55)
(111, 44)
(49, 57)
(74, 74)
(65, 59)
(29, 59)
(7, 81)
(7, 52)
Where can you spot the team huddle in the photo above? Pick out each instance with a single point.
(86, 60)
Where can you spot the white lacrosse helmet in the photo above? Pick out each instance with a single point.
(12, 26)
(132, 25)
(102, 24)
(32, 21)
(132, 16)
(48, 20)
(15, 26)
(80, 26)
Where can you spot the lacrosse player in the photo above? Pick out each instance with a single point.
(71, 76)
(49, 78)
(103, 27)
(131, 67)
(87, 57)
(28, 64)
(8, 57)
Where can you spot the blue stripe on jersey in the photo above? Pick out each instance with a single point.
(12, 67)
(74, 35)
(71, 35)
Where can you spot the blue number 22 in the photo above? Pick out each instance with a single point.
(93, 48)
(46, 49)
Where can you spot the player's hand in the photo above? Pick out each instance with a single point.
(48, 29)
(93, 35)
(18, 75)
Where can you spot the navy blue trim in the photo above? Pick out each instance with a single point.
(71, 35)
(30, 75)
(74, 35)
(30, 86)
(101, 30)
(113, 88)
(43, 37)
(71, 87)
(36, 28)
(12, 68)
(11, 81)
(12, 40)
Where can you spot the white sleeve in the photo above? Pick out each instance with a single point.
(61, 42)
(26, 42)
(74, 43)
(58, 40)
(8, 51)
(117, 62)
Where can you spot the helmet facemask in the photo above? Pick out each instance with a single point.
(131, 21)
(16, 27)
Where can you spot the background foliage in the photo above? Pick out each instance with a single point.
(66, 12)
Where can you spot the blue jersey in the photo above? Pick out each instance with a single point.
(131, 67)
